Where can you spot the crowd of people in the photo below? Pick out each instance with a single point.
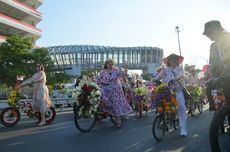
(117, 86)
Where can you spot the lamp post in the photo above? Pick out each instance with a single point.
(178, 30)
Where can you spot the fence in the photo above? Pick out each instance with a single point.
(59, 102)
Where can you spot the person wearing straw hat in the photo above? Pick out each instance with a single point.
(173, 72)
(219, 59)
(112, 95)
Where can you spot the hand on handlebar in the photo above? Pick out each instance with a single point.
(158, 82)
(171, 82)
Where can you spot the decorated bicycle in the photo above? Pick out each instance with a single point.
(87, 106)
(18, 103)
(166, 109)
(196, 102)
(141, 100)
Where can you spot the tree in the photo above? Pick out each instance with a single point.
(191, 68)
(18, 57)
(14, 54)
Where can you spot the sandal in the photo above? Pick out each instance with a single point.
(42, 124)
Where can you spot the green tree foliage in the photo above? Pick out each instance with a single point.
(191, 68)
(18, 57)
(14, 55)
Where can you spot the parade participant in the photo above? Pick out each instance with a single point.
(41, 99)
(173, 72)
(219, 59)
(112, 95)
(194, 81)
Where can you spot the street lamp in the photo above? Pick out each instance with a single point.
(178, 30)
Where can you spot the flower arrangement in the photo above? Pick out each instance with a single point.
(88, 97)
(141, 95)
(197, 92)
(165, 98)
(13, 98)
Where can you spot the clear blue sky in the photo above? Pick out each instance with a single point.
(130, 23)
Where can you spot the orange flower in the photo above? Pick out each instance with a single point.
(159, 109)
(174, 102)
(167, 108)
(174, 110)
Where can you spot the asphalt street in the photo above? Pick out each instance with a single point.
(134, 136)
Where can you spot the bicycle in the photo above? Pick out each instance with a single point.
(10, 116)
(87, 108)
(167, 118)
(86, 122)
(166, 121)
(219, 131)
(195, 104)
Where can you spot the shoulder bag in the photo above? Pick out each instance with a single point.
(186, 93)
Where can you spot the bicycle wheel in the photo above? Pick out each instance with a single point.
(50, 115)
(159, 127)
(191, 109)
(84, 123)
(200, 106)
(219, 137)
(10, 117)
(74, 107)
(175, 119)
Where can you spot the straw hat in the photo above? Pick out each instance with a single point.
(108, 60)
(171, 56)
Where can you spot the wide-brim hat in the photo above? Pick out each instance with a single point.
(110, 60)
(140, 79)
(179, 59)
(212, 26)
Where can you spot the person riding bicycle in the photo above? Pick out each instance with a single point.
(174, 73)
(112, 95)
(219, 59)
(41, 99)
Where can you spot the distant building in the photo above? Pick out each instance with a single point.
(20, 17)
(76, 58)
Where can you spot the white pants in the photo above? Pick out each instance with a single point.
(182, 112)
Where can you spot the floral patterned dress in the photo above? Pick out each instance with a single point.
(40, 92)
(112, 95)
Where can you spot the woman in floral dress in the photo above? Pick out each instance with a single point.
(41, 99)
(112, 96)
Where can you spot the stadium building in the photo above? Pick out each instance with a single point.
(76, 58)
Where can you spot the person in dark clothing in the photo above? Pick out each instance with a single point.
(78, 80)
(219, 60)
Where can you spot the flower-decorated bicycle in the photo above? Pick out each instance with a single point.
(166, 108)
(87, 106)
(141, 99)
(197, 100)
(11, 115)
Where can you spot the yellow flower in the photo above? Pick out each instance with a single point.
(13, 98)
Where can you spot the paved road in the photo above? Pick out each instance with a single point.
(134, 136)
